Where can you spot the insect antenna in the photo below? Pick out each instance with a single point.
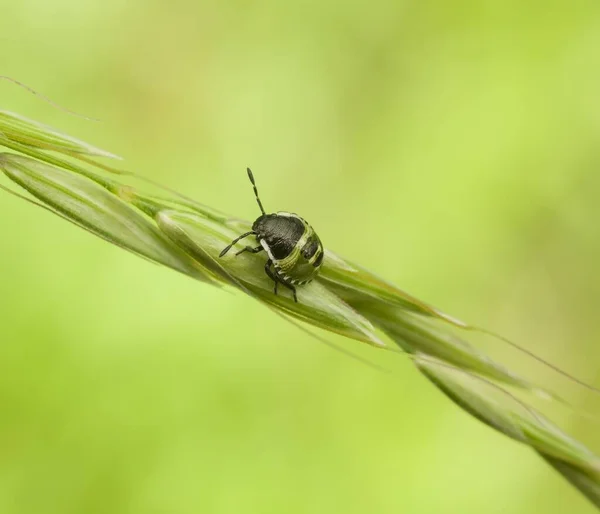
(228, 247)
(251, 177)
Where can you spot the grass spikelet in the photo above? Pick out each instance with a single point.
(63, 176)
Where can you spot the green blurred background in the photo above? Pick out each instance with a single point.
(450, 146)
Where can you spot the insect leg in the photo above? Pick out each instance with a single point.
(294, 291)
(228, 247)
(275, 278)
(250, 249)
(271, 275)
(290, 287)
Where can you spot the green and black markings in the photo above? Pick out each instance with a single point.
(294, 249)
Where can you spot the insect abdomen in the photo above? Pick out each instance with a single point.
(303, 262)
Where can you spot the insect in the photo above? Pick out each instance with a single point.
(294, 249)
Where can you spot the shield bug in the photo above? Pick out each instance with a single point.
(294, 249)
